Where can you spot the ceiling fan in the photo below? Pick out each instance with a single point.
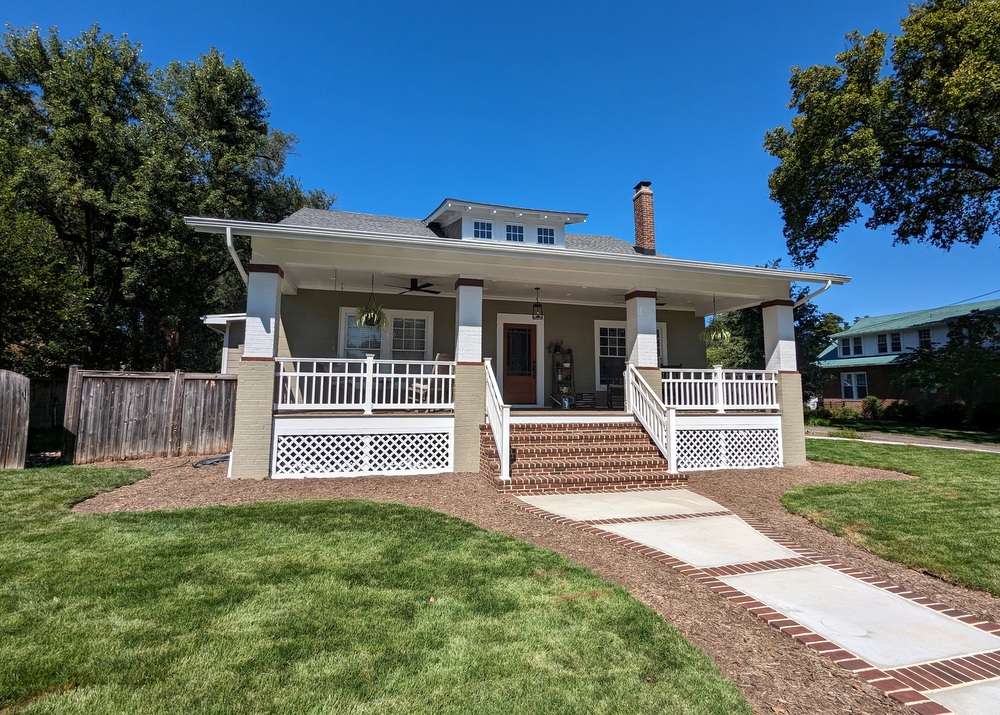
(416, 287)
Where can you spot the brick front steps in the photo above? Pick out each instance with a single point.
(576, 457)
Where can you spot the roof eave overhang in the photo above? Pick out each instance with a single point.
(484, 248)
(457, 207)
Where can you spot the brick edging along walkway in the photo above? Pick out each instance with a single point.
(908, 684)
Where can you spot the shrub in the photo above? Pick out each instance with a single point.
(986, 416)
(949, 415)
(817, 422)
(902, 412)
(871, 408)
(844, 413)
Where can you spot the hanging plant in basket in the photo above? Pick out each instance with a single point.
(370, 314)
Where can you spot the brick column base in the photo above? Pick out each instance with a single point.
(251, 455)
(470, 412)
(793, 437)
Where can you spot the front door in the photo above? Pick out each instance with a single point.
(519, 367)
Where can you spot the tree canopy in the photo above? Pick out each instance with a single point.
(101, 157)
(906, 134)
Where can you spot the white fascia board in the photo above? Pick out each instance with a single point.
(459, 247)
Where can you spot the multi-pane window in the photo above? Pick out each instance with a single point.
(883, 344)
(610, 355)
(853, 385)
(482, 229)
(515, 233)
(406, 336)
(857, 346)
(895, 342)
(547, 236)
(845, 347)
(924, 338)
(361, 340)
(409, 338)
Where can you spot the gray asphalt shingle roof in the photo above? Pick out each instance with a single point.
(349, 221)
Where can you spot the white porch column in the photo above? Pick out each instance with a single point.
(470, 390)
(469, 319)
(779, 352)
(252, 432)
(640, 335)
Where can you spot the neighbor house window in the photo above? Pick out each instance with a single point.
(895, 342)
(845, 346)
(547, 236)
(407, 336)
(883, 344)
(857, 346)
(482, 229)
(515, 233)
(853, 385)
(924, 338)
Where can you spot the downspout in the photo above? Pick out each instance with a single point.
(812, 295)
(239, 265)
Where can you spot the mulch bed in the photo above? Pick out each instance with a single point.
(776, 674)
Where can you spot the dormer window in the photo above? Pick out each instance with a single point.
(515, 233)
(483, 229)
(547, 236)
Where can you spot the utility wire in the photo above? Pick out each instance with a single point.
(966, 300)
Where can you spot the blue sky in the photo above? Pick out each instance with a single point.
(561, 105)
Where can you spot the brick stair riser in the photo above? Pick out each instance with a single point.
(562, 451)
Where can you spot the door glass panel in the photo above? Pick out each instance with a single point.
(518, 352)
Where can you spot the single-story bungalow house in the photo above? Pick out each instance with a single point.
(500, 343)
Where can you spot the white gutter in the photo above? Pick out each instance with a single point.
(236, 259)
(812, 295)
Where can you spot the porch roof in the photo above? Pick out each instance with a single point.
(321, 258)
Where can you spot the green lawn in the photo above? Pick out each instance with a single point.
(946, 522)
(911, 430)
(314, 607)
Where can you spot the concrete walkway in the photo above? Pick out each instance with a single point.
(819, 432)
(935, 659)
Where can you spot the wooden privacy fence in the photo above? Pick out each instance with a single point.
(128, 415)
(14, 408)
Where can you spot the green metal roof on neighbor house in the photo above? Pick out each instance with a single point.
(917, 318)
(828, 358)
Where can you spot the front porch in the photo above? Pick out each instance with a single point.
(339, 418)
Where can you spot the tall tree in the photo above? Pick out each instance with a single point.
(912, 140)
(112, 154)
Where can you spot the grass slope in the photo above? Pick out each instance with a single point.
(314, 607)
(946, 522)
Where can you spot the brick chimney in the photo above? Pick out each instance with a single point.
(645, 232)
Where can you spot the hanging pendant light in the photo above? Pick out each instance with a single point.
(536, 309)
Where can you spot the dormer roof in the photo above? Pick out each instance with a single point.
(451, 210)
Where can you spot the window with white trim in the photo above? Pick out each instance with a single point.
(515, 233)
(406, 336)
(883, 343)
(895, 342)
(858, 350)
(482, 229)
(611, 351)
(853, 385)
(845, 347)
(924, 338)
(546, 236)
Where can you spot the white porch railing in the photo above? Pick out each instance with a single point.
(659, 421)
(498, 418)
(720, 389)
(367, 385)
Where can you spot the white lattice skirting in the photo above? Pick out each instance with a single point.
(728, 449)
(331, 447)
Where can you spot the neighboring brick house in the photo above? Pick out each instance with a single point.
(475, 296)
(864, 359)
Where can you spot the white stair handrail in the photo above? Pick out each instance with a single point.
(498, 418)
(659, 421)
